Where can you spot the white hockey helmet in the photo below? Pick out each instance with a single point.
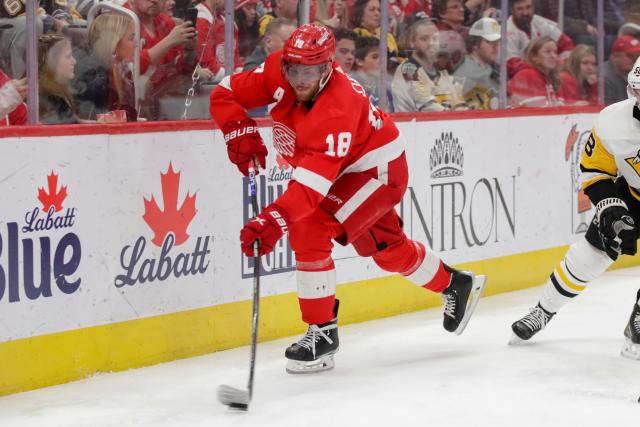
(633, 81)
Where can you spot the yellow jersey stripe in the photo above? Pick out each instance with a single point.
(566, 281)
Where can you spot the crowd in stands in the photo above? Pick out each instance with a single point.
(442, 55)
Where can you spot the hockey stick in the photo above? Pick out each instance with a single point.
(230, 396)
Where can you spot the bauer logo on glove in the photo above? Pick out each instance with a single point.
(244, 144)
(268, 227)
(240, 132)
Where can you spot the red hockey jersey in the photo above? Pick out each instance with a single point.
(339, 133)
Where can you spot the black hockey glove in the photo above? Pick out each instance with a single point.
(616, 227)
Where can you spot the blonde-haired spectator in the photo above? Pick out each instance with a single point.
(579, 77)
(333, 13)
(104, 79)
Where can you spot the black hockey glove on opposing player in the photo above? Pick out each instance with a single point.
(616, 227)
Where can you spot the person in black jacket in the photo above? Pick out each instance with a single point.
(104, 79)
(56, 70)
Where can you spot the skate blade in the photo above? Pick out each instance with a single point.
(630, 350)
(323, 364)
(515, 340)
(233, 397)
(476, 291)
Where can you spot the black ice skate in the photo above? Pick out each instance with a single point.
(631, 347)
(460, 299)
(314, 352)
(530, 324)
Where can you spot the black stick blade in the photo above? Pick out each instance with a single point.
(233, 397)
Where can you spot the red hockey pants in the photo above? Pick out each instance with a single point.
(359, 210)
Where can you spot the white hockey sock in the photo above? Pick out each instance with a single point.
(581, 264)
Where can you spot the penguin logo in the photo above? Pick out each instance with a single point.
(634, 162)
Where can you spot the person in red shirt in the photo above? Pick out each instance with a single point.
(523, 26)
(537, 84)
(350, 171)
(210, 44)
(164, 41)
(13, 111)
(579, 78)
(167, 46)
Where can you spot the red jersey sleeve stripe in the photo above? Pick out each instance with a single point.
(310, 179)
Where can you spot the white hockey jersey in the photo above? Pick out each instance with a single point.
(613, 149)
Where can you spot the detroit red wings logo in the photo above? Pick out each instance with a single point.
(284, 139)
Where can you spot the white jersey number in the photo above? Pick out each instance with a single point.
(344, 141)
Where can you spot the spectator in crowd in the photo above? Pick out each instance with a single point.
(480, 68)
(402, 9)
(451, 52)
(167, 46)
(165, 43)
(366, 67)
(333, 13)
(614, 18)
(477, 9)
(365, 20)
(449, 16)
(248, 29)
(524, 25)
(210, 44)
(169, 8)
(276, 34)
(537, 83)
(345, 48)
(13, 110)
(55, 72)
(579, 78)
(417, 85)
(624, 52)
(287, 9)
(13, 36)
(104, 80)
(577, 22)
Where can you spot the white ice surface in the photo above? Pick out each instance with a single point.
(401, 371)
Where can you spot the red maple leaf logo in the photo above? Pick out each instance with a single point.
(53, 197)
(282, 163)
(171, 219)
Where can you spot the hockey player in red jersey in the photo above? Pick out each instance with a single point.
(350, 172)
